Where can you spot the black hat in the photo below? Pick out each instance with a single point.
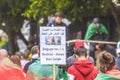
(96, 20)
(58, 14)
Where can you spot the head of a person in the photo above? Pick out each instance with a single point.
(105, 61)
(3, 53)
(78, 44)
(58, 17)
(26, 54)
(35, 50)
(96, 22)
(19, 54)
(16, 60)
(81, 52)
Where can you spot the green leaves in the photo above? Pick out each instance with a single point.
(73, 9)
(10, 12)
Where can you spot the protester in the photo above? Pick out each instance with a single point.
(26, 56)
(35, 55)
(106, 65)
(82, 69)
(9, 70)
(101, 47)
(19, 54)
(71, 59)
(3, 53)
(57, 22)
(97, 31)
(37, 71)
(16, 60)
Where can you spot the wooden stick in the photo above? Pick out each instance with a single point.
(53, 71)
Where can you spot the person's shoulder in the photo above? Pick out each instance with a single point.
(63, 24)
(35, 63)
(91, 25)
(52, 21)
(72, 67)
(102, 25)
(71, 59)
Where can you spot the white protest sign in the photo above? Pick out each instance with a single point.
(53, 45)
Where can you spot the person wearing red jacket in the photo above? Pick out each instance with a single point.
(82, 69)
(8, 69)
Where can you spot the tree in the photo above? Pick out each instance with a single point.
(74, 10)
(10, 14)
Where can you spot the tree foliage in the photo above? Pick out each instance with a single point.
(72, 9)
(10, 12)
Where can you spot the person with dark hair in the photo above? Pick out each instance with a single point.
(98, 32)
(71, 59)
(25, 57)
(35, 54)
(107, 67)
(19, 54)
(57, 21)
(16, 60)
(82, 69)
(38, 71)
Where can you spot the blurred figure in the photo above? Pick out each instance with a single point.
(106, 65)
(37, 71)
(102, 47)
(16, 60)
(19, 54)
(57, 22)
(98, 32)
(35, 55)
(4, 53)
(9, 70)
(82, 69)
(26, 56)
(71, 59)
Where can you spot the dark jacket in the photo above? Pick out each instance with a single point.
(25, 69)
(54, 23)
(83, 70)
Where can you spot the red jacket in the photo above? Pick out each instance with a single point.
(83, 70)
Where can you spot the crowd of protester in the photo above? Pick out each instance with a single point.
(81, 64)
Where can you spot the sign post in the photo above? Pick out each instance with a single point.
(53, 46)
